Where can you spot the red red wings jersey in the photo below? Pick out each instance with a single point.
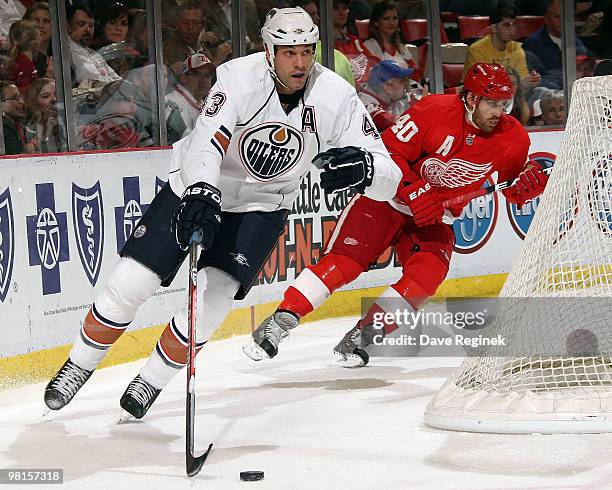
(434, 141)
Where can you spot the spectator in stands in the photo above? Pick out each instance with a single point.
(543, 48)
(585, 66)
(553, 108)
(345, 32)
(385, 95)
(89, 67)
(384, 39)
(520, 108)
(169, 9)
(596, 31)
(347, 42)
(411, 9)
(13, 114)
(218, 20)
(39, 14)
(138, 38)
(360, 10)
(531, 7)
(112, 25)
(342, 66)
(499, 47)
(43, 129)
(185, 39)
(23, 36)
(192, 89)
(536, 114)
(10, 11)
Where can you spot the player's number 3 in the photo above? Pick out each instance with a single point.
(404, 128)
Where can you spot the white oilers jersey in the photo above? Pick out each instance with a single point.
(247, 146)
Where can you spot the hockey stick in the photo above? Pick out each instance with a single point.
(193, 463)
(485, 190)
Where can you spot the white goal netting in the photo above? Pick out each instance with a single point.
(555, 375)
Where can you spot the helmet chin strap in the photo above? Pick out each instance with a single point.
(278, 80)
(469, 112)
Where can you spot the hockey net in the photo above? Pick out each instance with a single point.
(555, 374)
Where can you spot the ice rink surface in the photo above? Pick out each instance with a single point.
(305, 422)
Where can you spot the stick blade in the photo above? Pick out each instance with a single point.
(193, 465)
(604, 67)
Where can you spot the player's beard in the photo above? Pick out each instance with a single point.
(486, 125)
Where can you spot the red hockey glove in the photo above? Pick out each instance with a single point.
(423, 201)
(530, 185)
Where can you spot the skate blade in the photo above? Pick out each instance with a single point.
(253, 351)
(348, 360)
(126, 418)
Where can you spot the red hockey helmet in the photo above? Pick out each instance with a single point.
(489, 80)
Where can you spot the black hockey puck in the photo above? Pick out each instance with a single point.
(251, 475)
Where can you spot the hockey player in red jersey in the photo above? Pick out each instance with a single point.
(446, 146)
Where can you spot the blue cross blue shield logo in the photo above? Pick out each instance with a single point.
(128, 215)
(47, 238)
(7, 242)
(88, 219)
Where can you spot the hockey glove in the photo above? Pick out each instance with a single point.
(199, 211)
(530, 184)
(423, 201)
(345, 168)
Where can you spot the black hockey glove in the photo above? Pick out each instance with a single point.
(344, 168)
(199, 211)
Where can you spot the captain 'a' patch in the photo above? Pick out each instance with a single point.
(270, 149)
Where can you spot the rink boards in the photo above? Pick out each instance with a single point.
(63, 219)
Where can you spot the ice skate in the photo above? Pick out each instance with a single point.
(65, 384)
(138, 397)
(350, 351)
(265, 339)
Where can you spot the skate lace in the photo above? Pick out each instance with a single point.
(141, 391)
(70, 379)
(273, 331)
(355, 336)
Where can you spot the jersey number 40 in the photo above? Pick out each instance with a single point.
(404, 128)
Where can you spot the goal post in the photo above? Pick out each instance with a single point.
(556, 305)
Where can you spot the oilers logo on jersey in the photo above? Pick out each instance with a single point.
(270, 149)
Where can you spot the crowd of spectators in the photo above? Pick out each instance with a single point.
(114, 78)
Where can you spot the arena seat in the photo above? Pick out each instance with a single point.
(526, 24)
(472, 27)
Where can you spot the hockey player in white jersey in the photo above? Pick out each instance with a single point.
(238, 172)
